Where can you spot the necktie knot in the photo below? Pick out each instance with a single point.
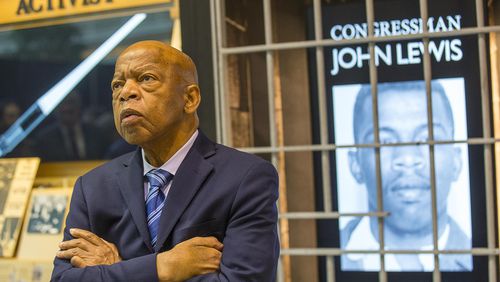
(158, 178)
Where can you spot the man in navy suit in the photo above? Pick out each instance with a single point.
(218, 221)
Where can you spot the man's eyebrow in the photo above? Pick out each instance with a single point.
(140, 69)
(438, 125)
(384, 128)
(117, 75)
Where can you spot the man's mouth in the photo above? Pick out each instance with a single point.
(412, 195)
(411, 191)
(410, 188)
(129, 115)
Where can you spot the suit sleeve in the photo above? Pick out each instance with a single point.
(136, 269)
(251, 245)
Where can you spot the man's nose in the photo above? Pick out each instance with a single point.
(408, 158)
(129, 91)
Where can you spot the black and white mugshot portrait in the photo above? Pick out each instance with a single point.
(405, 170)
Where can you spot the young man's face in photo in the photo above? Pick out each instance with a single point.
(406, 169)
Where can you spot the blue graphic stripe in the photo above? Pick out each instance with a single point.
(155, 212)
(160, 177)
(151, 196)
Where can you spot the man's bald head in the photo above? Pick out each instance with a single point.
(170, 56)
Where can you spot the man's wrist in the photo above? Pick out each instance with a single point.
(163, 268)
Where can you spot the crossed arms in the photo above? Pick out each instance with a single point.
(193, 257)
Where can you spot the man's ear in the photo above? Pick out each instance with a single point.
(192, 98)
(457, 162)
(355, 167)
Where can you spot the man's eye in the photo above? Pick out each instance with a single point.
(116, 85)
(146, 78)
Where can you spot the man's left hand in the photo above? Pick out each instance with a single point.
(87, 249)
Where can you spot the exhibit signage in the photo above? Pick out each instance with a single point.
(399, 53)
(18, 11)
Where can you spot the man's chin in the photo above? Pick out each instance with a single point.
(133, 137)
(410, 224)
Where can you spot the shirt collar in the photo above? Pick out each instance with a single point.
(363, 239)
(172, 164)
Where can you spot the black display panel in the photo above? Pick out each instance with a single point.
(402, 117)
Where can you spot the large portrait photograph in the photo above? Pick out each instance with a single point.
(405, 174)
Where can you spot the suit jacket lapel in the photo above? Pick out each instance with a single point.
(131, 184)
(188, 179)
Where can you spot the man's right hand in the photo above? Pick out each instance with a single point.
(196, 256)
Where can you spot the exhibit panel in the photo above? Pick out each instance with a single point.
(34, 245)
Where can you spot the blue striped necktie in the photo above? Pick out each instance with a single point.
(158, 178)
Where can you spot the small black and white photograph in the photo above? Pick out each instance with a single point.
(405, 174)
(7, 169)
(7, 239)
(47, 214)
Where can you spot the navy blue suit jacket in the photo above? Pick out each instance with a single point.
(217, 191)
